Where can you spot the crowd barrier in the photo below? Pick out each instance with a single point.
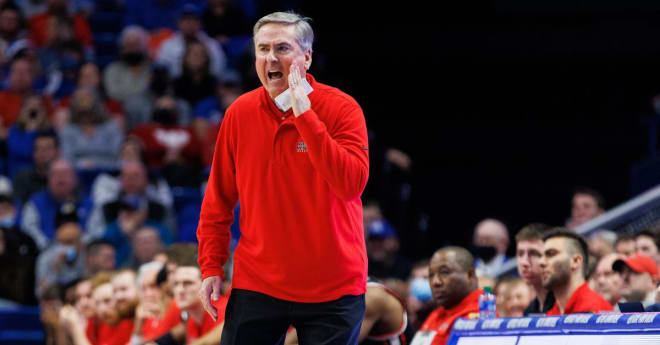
(574, 329)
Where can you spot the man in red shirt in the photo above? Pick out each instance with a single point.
(455, 289)
(564, 264)
(298, 159)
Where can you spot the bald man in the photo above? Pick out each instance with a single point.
(454, 286)
(491, 240)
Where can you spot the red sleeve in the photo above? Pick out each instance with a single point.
(341, 157)
(90, 331)
(218, 206)
(82, 30)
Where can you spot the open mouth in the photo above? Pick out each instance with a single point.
(275, 75)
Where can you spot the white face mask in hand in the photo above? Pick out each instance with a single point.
(283, 101)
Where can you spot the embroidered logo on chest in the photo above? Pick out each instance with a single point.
(301, 147)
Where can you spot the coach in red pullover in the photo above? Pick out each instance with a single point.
(298, 174)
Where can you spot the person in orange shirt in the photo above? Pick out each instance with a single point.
(455, 290)
(564, 265)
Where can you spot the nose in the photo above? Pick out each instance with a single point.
(271, 56)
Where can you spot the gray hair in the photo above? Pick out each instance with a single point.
(135, 30)
(304, 32)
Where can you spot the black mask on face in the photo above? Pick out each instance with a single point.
(132, 58)
(164, 116)
(486, 253)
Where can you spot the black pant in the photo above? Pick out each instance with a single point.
(253, 318)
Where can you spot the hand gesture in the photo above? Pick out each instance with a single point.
(210, 290)
(299, 100)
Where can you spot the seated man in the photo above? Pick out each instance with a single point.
(640, 278)
(607, 282)
(385, 320)
(564, 264)
(200, 328)
(491, 240)
(625, 245)
(529, 250)
(454, 286)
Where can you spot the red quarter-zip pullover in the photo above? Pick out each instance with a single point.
(299, 182)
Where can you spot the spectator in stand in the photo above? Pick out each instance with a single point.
(21, 77)
(646, 243)
(155, 14)
(92, 140)
(129, 227)
(587, 204)
(107, 327)
(517, 296)
(131, 186)
(18, 254)
(224, 19)
(100, 257)
(529, 251)
(89, 77)
(601, 243)
(172, 51)
(171, 147)
(39, 213)
(625, 245)
(64, 261)
(146, 244)
(196, 82)
(31, 180)
(60, 60)
(31, 120)
(454, 285)
(12, 30)
(564, 264)
(41, 24)
(84, 302)
(130, 75)
(640, 278)
(420, 300)
(491, 240)
(50, 304)
(150, 310)
(385, 260)
(606, 281)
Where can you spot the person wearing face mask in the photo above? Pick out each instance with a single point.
(491, 240)
(130, 75)
(64, 261)
(169, 146)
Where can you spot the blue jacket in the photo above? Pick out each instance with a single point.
(39, 215)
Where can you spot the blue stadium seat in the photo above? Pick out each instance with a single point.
(21, 326)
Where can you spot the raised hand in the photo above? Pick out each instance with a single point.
(299, 100)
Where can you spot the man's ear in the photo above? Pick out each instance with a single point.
(576, 262)
(308, 60)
